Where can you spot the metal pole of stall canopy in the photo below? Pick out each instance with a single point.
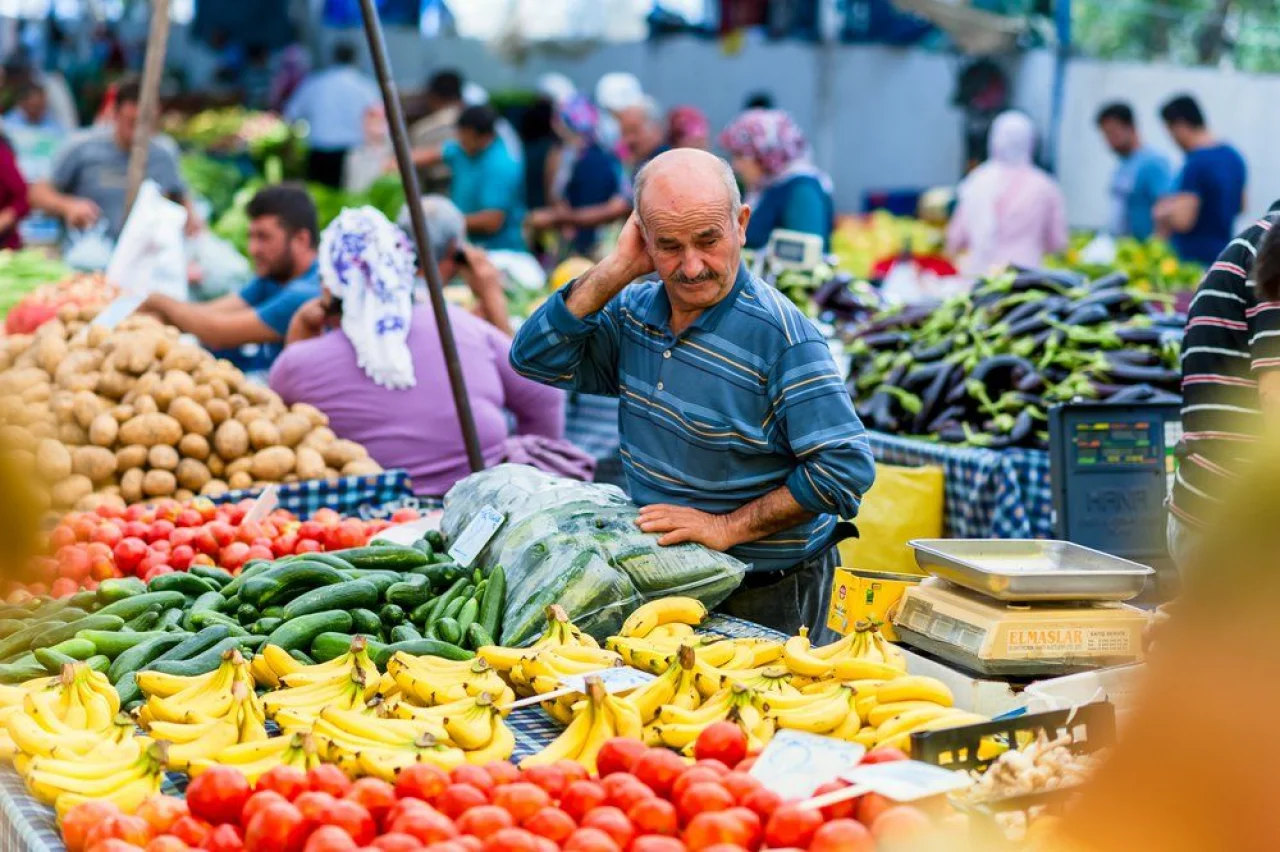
(148, 100)
(412, 194)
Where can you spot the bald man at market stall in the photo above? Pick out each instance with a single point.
(737, 430)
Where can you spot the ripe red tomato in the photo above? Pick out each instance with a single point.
(310, 529)
(476, 776)
(521, 799)
(161, 812)
(613, 822)
(61, 536)
(162, 547)
(314, 805)
(763, 801)
(225, 838)
(421, 781)
(590, 840)
(654, 816)
(458, 798)
(624, 790)
(483, 820)
(288, 781)
(657, 843)
(233, 555)
(740, 785)
(205, 542)
(327, 778)
(792, 825)
(838, 810)
(222, 532)
(551, 823)
(188, 518)
(284, 545)
(374, 795)
(191, 831)
(129, 553)
(618, 755)
(511, 840)
(424, 823)
(702, 797)
(404, 516)
(573, 770)
(550, 778)
(505, 772)
(902, 827)
(307, 545)
(708, 829)
(882, 754)
(397, 842)
(130, 829)
(279, 827)
(150, 570)
(659, 768)
(722, 741)
(329, 838)
(159, 531)
(81, 818)
(218, 795)
(352, 818)
(719, 767)
(871, 806)
(750, 823)
(580, 797)
(163, 843)
(182, 557)
(109, 533)
(842, 835)
(64, 587)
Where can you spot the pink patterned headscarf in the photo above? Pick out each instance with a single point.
(769, 136)
(686, 125)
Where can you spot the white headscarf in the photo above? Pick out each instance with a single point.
(992, 189)
(367, 263)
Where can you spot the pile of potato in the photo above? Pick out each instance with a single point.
(134, 413)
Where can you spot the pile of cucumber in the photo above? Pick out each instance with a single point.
(400, 598)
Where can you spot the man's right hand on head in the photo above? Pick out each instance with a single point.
(631, 254)
(80, 213)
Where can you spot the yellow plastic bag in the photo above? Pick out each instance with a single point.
(904, 503)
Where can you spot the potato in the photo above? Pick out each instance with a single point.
(145, 404)
(221, 390)
(272, 463)
(219, 411)
(237, 402)
(339, 453)
(330, 473)
(183, 495)
(213, 488)
(194, 447)
(194, 419)
(291, 477)
(113, 384)
(216, 466)
(231, 440)
(38, 393)
(319, 437)
(263, 433)
(162, 457)
(184, 357)
(85, 407)
(310, 464)
(12, 410)
(71, 490)
(361, 467)
(164, 394)
(201, 394)
(103, 430)
(150, 430)
(240, 481)
(23, 461)
(131, 486)
(315, 415)
(257, 394)
(182, 383)
(91, 502)
(123, 412)
(98, 335)
(293, 428)
(97, 463)
(249, 413)
(136, 353)
(51, 349)
(130, 457)
(44, 429)
(72, 435)
(53, 460)
(158, 483)
(193, 474)
(80, 381)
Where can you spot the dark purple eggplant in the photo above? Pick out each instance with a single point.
(1112, 281)
(1136, 357)
(1133, 393)
(1032, 383)
(1089, 315)
(1058, 281)
(885, 340)
(1109, 299)
(1139, 335)
(1001, 373)
(952, 433)
(1049, 309)
(931, 397)
(932, 352)
(950, 414)
(1160, 377)
(1023, 425)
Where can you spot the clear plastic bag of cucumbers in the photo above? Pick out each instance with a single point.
(576, 544)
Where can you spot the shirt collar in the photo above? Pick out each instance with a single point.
(658, 314)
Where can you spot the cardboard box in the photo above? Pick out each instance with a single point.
(866, 596)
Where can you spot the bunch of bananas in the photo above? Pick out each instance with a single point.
(893, 710)
(559, 633)
(678, 727)
(861, 655)
(675, 610)
(299, 750)
(429, 681)
(125, 774)
(597, 718)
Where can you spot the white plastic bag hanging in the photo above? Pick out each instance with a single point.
(1099, 251)
(150, 256)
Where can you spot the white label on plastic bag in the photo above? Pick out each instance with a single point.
(795, 763)
(119, 310)
(263, 506)
(615, 679)
(907, 780)
(406, 534)
(476, 536)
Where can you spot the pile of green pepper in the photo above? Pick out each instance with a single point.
(983, 369)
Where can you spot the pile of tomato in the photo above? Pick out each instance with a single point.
(644, 800)
(146, 540)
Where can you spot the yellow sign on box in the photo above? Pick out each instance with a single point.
(866, 596)
(904, 503)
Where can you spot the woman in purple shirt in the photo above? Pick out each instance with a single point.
(370, 358)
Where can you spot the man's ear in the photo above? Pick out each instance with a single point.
(744, 216)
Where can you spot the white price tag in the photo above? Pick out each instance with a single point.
(119, 310)
(476, 536)
(407, 534)
(907, 780)
(264, 505)
(796, 763)
(615, 679)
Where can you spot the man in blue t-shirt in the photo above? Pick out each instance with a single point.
(1209, 192)
(1141, 178)
(487, 181)
(249, 327)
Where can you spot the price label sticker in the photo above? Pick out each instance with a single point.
(267, 501)
(119, 310)
(476, 535)
(796, 763)
(907, 780)
(615, 679)
(407, 534)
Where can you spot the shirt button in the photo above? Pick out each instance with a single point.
(659, 385)
(666, 353)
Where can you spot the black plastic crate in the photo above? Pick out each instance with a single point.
(1090, 727)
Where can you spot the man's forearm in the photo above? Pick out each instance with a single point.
(764, 516)
(596, 287)
(45, 198)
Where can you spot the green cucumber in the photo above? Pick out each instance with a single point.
(441, 574)
(132, 607)
(391, 615)
(332, 560)
(447, 629)
(302, 657)
(113, 643)
(411, 593)
(76, 648)
(171, 620)
(98, 663)
(62, 632)
(394, 557)
(20, 642)
(210, 618)
(421, 648)
(118, 588)
(264, 626)
(436, 539)
(144, 622)
(250, 645)
(344, 596)
(196, 643)
(86, 600)
(437, 607)
(456, 604)
(229, 605)
(52, 661)
(467, 615)
(419, 616)
(477, 637)
(135, 657)
(197, 664)
(330, 646)
(383, 580)
(404, 632)
(10, 626)
(207, 601)
(273, 612)
(251, 569)
(189, 585)
(283, 582)
(127, 689)
(366, 621)
(422, 547)
(247, 613)
(494, 598)
(22, 670)
(220, 577)
(299, 632)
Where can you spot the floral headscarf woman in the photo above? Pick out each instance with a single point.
(687, 127)
(784, 188)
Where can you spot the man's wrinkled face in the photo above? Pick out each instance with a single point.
(696, 248)
(271, 248)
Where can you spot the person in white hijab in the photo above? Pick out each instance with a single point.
(1009, 211)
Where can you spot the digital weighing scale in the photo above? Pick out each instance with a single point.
(1023, 608)
(787, 250)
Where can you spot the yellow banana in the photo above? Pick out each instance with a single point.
(858, 668)
(624, 718)
(842, 647)
(498, 748)
(669, 687)
(912, 719)
(957, 719)
(799, 659)
(127, 797)
(674, 609)
(279, 661)
(567, 746)
(867, 737)
(882, 713)
(675, 630)
(222, 735)
(915, 688)
(161, 685)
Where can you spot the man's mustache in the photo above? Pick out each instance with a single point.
(702, 277)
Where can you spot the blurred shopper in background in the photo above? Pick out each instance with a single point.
(1208, 193)
(291, 70)
(1141, 177)
(687, 127)
(1008, 211)
(13, 196)
(644, 133)
(333, 103)
(541, 151)
(784, 189)
(444, 105)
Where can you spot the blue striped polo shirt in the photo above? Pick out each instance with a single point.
(745, 400)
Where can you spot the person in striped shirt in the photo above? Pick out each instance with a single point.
(1230, 377)
(737, 431)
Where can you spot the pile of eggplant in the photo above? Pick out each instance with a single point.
(983, 369)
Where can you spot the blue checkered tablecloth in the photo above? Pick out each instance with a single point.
(361, 496)
(990, 493)
(28, 826)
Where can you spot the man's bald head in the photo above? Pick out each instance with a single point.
(687, 175)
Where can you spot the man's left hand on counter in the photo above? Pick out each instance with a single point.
(681, 524)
